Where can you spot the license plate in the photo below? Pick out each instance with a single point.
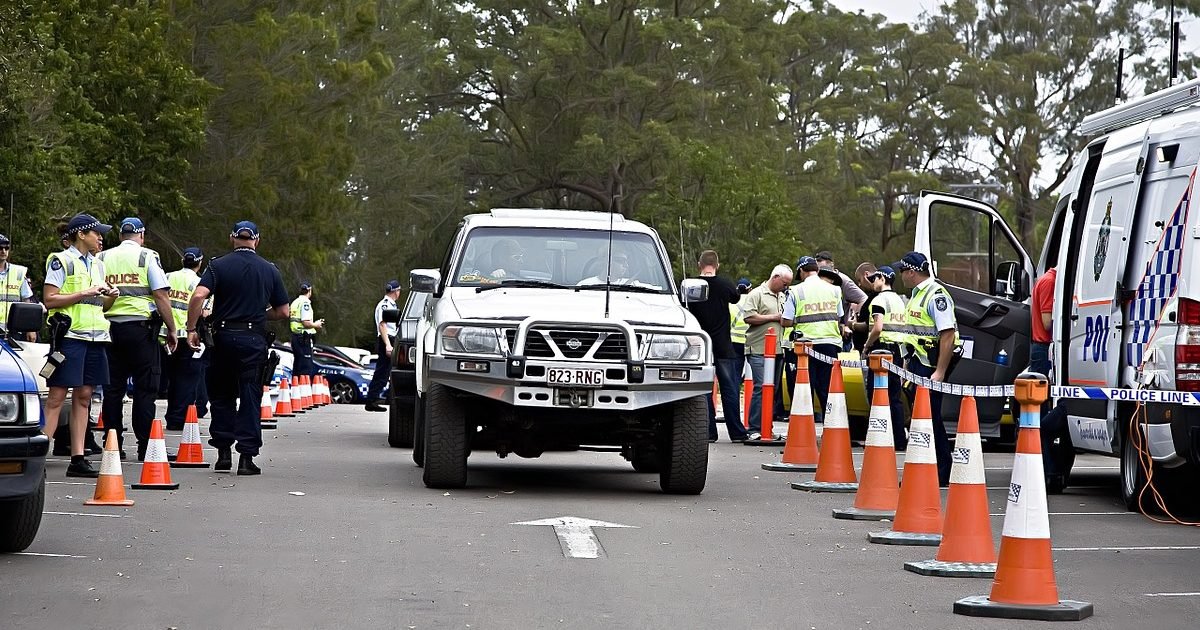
(575, 377)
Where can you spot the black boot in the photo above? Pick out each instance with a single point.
(90, 447)
(374, 405)
(246, 466)
(79, 467)
(224, 458)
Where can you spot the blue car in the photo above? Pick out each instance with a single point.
(23, 447)
(348, 381)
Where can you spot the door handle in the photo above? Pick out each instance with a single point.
(1074, 317)
(993, 310)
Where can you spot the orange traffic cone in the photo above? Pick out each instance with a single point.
(835, 467)
(1024, 587)
(296, 397)
(800, 451)
(919, 513)
(156, 472)
(879, 489)
(99, 422)
(967, 549)
(767, 437)
(283, 405)
(747, 394)
(306, 392)
(191, 451)
(325, 397)
(266, 412)
(317, 399)
(110, 486)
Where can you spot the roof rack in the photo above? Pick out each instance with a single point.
(1150, 106)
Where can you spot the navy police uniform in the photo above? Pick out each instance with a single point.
(244, 285)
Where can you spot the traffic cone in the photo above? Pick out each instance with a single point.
(800, 450)
(99, 422)
(1024, 586)
(879, 489)
(296, 397)
(110, 486)
(747, 394)
(835, 467)
(919, 512)
(967, 548)
(283, 405)
(305, 393)
(326, 398)
(266, 412)
(767, 437)
(191, 452)
(318, 399)
(156, 472)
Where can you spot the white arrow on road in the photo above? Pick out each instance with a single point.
(575, 534)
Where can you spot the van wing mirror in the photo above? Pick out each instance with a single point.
(1011, 281)
(693, 290)
(23, 317)
(424, 280)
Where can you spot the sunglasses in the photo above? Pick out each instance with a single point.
(5, 247)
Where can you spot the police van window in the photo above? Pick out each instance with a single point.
(571, 257)
(959, 244)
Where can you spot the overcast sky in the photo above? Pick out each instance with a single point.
(895, 10)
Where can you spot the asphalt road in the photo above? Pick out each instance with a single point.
(367, 546)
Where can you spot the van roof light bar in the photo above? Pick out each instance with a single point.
(1147, 107)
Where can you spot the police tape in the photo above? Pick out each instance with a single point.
(1008, 391)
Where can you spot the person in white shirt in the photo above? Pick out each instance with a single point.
(385, 336)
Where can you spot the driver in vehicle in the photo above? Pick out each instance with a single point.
(507, 258)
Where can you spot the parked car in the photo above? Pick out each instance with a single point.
(23, 447)
(404, 371)
(348, 381)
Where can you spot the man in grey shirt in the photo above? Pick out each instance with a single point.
(853, 297)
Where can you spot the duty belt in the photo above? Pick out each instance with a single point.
(254, 326)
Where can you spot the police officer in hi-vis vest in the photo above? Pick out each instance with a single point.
(14, 284)
(185, 369)
(135, 316)
(889, 321)
(933, 340)
(303, 328)
(814, 308)
(75, 288)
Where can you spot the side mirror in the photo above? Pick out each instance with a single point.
(1010, 281)
(424, 280)
(693, 290)
(391, 315)
(23, 317)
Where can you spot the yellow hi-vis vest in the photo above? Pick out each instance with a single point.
(128, 269)
(182, 284)
(10, 291)
(87, 315)
(895, 319)
(737, 324)
(922, 329)
(817, 311)
(294, 321)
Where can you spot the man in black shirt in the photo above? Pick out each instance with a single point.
(714, 318)
(249, 291)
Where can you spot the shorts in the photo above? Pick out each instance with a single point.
(85, 363)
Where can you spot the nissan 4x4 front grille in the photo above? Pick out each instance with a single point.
(557, 343)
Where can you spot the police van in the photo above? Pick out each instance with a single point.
(1126, 315)
(23, 447)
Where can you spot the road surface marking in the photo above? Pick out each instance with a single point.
(1172, 594)
(88, 514)
(575, 535)
(70, 483)
(1080, 514)
(1193, 548)
(47, 555)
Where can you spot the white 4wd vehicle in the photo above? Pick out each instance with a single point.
(535, 339)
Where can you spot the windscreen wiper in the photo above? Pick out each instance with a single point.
(521, 284)
(631, 288)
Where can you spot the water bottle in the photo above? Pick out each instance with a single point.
(1002, 358)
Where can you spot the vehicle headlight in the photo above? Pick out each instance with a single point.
(471, 340)
(675, 348)
(10, 408)
(33, 409)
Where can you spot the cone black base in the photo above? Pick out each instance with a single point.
(193, 465)
(825, 486)
(1064, 610)
(784, 467)
(855, 514)
(905, 538)
(939, 568)
(155, 486)
(765, 442)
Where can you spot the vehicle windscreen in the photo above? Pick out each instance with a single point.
(559, 256)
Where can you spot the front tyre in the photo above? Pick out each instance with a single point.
(400, 424)
(19, 520)
(446, 435)
(685, 462)
(418, 436)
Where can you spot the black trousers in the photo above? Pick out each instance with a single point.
(235, 391)
(383, 372)
(134, 352)
(302, 355)
(185, 373)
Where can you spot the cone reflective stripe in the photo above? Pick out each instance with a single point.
(266, 412)
(879, 486)
(283, 405)
(835, 466)
(919, 511)
(110, 486)
(1024, 587)
(800, 450)
(967, 548)
(156, 472)
(747, 393)
(767, 436)
(191, 451)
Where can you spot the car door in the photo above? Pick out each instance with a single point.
(987, 272)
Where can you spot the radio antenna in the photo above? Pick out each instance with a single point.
(608, 274)
(1120, 75)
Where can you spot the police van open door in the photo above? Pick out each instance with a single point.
(989, 275)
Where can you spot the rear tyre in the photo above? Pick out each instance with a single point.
(342, 392)
(446, 447)
(1133, 477)
(645, 458)
(19, 520)
(685, 460)
(400, 424)
(418, 436)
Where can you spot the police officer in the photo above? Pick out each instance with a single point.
(136, 272)
(814, 307)
(184, 367)
(385, 336)
(933, 340)
(249, 291)
(303, 330)
(889, 321)
(75, 288)
(14, 284)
